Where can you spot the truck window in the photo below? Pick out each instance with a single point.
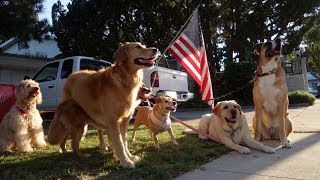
(47, 73)
(90, 64)
(66, 68)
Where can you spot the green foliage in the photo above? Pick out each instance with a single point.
(301, 97)
(236, 76)
(312, 38)
(96, 27)
(19, 19)
(166, 163)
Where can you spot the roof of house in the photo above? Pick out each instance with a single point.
(310, 77)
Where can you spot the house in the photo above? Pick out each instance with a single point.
(17, 61)
(313, 81)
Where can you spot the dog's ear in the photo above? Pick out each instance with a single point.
(18, 89)
(257, 48)
(121, 55)
(158, 100)
(216, 110)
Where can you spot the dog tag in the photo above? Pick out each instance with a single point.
(232, 134)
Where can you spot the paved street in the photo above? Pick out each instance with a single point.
(302, 161)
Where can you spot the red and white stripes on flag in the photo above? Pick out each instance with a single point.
(190, 51)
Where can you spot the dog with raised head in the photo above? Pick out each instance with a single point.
(229, 124)
(156, 118)
(270, 95)
(108, 96)
(66, 125)
(21, 128)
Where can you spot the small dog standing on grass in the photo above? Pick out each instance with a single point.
(156, 119)
(21, 127)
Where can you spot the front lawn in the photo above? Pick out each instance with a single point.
(168, 162)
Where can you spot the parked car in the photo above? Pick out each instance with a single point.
(52, 76)
(313, 91)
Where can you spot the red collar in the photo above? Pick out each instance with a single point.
(23, 112)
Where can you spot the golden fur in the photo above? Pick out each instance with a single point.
(270, 96)
(108, 96)
(161, 112)
(229, 124)
(21, 128)
(71, 119)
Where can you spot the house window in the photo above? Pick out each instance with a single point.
(47, 73)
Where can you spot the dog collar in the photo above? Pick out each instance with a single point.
(266, 73)
(23, 112)
(164, 124)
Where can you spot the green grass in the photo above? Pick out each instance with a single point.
(166, 163)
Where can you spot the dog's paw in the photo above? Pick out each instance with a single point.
(269, 150)
(157, 146)
(175, 142)
(40, 144)
(203, 137)
(128, 164)
(103, 148)
(135, 158)
(244, 150)
(26, 149)
(286, 144)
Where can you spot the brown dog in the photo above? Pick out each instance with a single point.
(270, 95)
(74, 126)
(109, 95)
(157, 118)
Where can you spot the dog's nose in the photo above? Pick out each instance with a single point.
(233, 113)
(174, 103)
(155, 50)
(36, 88)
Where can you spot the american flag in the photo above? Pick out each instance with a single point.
(190, 51)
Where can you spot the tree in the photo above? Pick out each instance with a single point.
(96, 27)
(243, 23)
(312, 38)
(19, 19)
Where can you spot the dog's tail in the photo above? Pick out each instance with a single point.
(57, 131)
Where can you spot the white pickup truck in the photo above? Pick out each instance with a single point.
(51, 78)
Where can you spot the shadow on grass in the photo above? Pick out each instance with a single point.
(166, 163)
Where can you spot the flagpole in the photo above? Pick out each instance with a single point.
(181, 29)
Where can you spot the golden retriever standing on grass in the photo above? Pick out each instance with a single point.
(21, 127)
(72, 125)
(270, 95)
(109, 95)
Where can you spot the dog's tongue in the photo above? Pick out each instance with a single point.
(145, 97)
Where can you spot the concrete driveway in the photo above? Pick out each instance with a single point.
(302, 161)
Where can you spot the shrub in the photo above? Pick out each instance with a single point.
(301, 97)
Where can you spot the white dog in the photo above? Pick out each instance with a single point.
(21, 127)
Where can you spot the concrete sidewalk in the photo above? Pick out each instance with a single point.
(302, 161)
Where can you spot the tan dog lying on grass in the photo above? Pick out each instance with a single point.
(156, 119)
(229, 124)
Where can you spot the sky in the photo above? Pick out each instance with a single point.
(47, 5)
